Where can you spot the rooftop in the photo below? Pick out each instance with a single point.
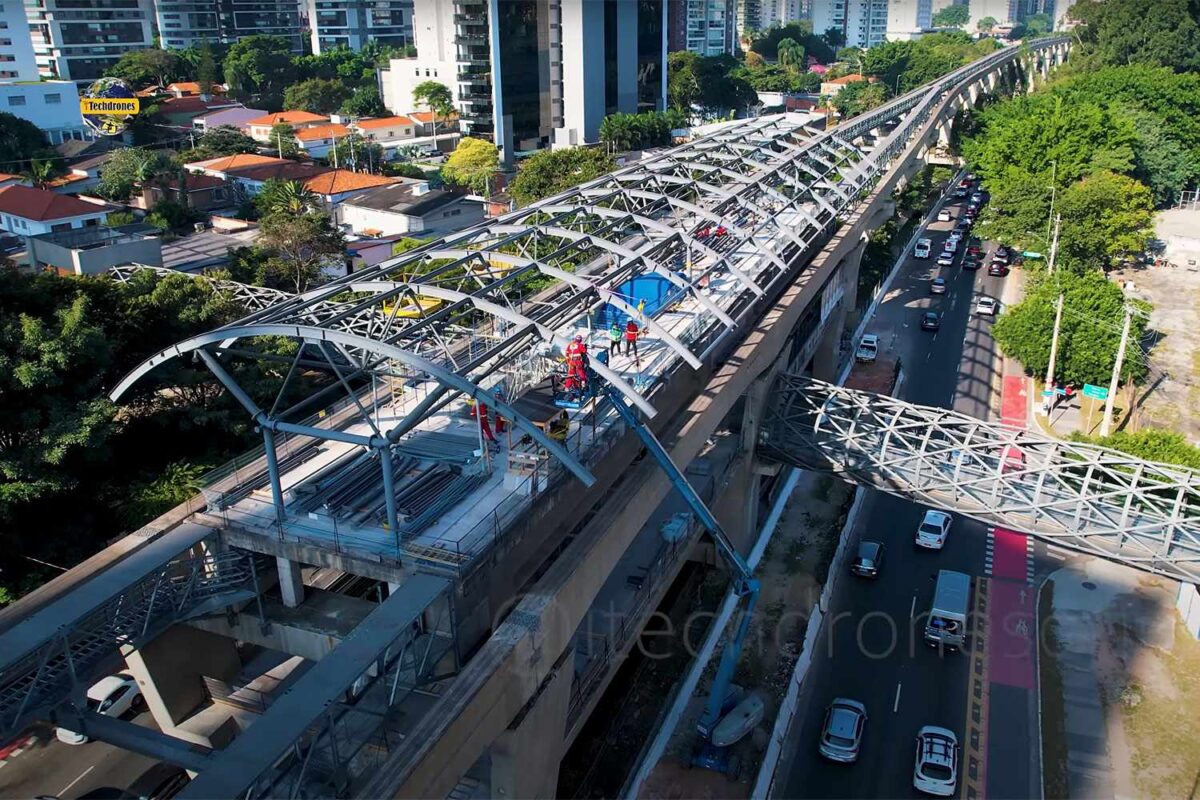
(339, 181)
(290, 117)
(400, 199)
(41, 205)
(330, 131)
(853, 77)
(383, 122)
(239, 161)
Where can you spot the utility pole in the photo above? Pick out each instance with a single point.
(1049, 404)
(1054, 245)
(279, 140)
(1053, 192)
(1106, 423)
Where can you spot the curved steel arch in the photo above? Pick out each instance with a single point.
(608, 295)
(310, 333)
(496, 310)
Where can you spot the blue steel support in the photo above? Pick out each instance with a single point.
(745, 585)
(389, 491)
(273, 473)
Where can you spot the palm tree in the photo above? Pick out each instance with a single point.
(40, 173)
(790, 53)
(437, 98)
(287, 197)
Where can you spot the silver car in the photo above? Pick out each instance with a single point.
(841, 735)
(936, 768)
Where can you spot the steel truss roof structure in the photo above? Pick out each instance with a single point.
(1090, 499)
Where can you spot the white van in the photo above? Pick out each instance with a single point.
(922, 248)
(947, 623)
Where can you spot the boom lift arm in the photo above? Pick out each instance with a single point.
(745, 585)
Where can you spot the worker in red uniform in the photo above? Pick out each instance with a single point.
(576, 364)
(631, 337)
(481, 411)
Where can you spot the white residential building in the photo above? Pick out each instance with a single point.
(25, 211)
(1003, 11)
(183, 23)
(353, 23)
(706, 27)
(863, 22)
(409, 206)
(78, 41)
(52, 106)
(17, 61)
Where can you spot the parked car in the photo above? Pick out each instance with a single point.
(955, 236)
(868, 348)
(971, 263)
(944, 215)
(937, 285)
(933, 530)
(960, 192)
(936, 768)
(997, 269)
(931, 321)
(977, 198)
(1002, 253)
(841, 735)
(946, 259)
(922, 248)
(869, 559)
(971, 212)
(112, 697)
(973, 248)
(986, 306)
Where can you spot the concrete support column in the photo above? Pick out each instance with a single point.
(526, 756)
(291, 584)
(170, 671)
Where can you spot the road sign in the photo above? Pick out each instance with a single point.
(1047, 392)
(1095, 392)
(1059, 390)
(1031, 254)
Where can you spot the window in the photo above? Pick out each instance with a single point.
(52, 99)
(16, 100)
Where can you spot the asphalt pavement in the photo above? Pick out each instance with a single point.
(44, 766)
(873, 650)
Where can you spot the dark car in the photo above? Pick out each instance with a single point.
(971, 263)
(937, 286)
(869, 559)
(1002, 252)
(971, 213)
(974, 250)
(997, 269)
(931, 321)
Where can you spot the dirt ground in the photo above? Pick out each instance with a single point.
(792, 572)
(1175, 294)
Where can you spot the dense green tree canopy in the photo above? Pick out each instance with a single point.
(472, 164)
(1106, 218)
(226, 140)
(954, 16)
(151, 66)
(1161, 33)
(21, 141)
(860, 96)
(127, 167)
(1090, 331)
(303, 246)
(713, 83)
(364, 102)
(548, 172)
(260, 68)
(1164, 447)
(316, 95)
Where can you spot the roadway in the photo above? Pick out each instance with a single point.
(43, 766)
(872, 649)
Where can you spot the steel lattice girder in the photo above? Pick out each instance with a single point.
(1087, 498)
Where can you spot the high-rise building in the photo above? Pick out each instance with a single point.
(529, 74)
(353, 23)
(864, 23)
(79, 40)
(17, 62)
(1005, 12)
(707, 27)
(183, 23)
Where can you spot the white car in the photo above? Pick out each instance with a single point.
(936, 768)
(951, 245)
(944, 215)
(946, 259)
(934, 529)
(986, 306)
(868, 348)
(112, 697)
(955, 236)
(922, 248)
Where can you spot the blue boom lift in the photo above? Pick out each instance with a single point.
(745, 586)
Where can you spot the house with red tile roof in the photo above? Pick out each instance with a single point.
(202, 192)
(192, 89)
(319, 140)
(260, 128)
(387, 129)
(182, 110)
(336, 185)
(25, 211)
(832, 87)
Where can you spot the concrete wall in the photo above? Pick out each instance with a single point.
(171, 669)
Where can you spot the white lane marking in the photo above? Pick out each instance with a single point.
(896, 704)
(82, 775)
(912, 610)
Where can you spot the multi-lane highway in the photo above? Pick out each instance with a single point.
(44, 767)
(872, 648)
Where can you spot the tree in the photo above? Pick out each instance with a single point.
(126, 168)
(169, 215)
(791, 54)
(21, 140)
(206, 68)
(954, 16)
(1122, 32)
(357, 153)
(860, 96)
(473, 164)
(548, 172)
(1089, 334)
(226, 140)
(986, 24)
(683, 85)
(283, 140)
(834, 37)
(259, 67)
(437, 98)
(148, 66)
(286, 197)
(304, 245)
(365, 102)
(753, 60)
(1150, 444)
(316, 95)
(1106, 218)
(40, 173)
